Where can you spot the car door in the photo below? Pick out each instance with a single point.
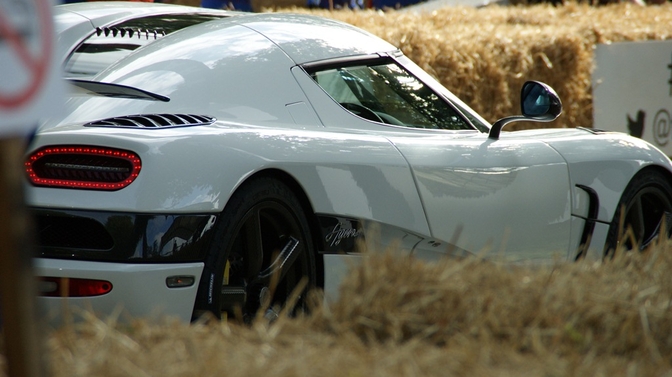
(508, 198)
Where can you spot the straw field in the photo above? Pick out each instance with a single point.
(398, 316)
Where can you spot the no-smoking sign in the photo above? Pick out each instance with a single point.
(30, 84)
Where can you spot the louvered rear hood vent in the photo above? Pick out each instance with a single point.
(153, 121)
(131, 32)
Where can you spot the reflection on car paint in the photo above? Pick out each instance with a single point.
(116, 237)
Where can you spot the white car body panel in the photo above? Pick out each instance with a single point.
(236, 44)
(199, 189)
(74, 23)
(523, 197)
(463, 184)
(139, 290)
(606, 161)
(328, 38)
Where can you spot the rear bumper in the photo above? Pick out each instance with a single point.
(139, 290)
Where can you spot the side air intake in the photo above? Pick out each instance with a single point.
(153, 121)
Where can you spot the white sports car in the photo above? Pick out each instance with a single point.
(191, 172)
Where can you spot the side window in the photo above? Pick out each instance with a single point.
(387, 93)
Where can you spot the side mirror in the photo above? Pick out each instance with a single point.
(538, 103)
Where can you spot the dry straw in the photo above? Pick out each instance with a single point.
(398, 316)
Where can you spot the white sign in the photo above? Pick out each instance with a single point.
(632, 90)
(30, 78)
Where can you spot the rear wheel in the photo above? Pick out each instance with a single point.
(262, 251)
(644, 209)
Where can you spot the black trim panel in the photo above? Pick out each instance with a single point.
(107, 89)
(348, 61)
(345, 235)
(122, 237)
(589, 227)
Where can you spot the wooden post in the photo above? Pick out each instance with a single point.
(17, 282)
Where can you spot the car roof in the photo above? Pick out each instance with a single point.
(307, 38)
(236, 40)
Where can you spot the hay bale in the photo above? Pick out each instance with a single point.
(618, 307)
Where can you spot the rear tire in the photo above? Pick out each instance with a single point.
(646, 204)
(261, 219)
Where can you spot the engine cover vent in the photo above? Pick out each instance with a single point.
(131, 32)
(153, 121)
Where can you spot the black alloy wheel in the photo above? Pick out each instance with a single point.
(262, 251)
(644, 209)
